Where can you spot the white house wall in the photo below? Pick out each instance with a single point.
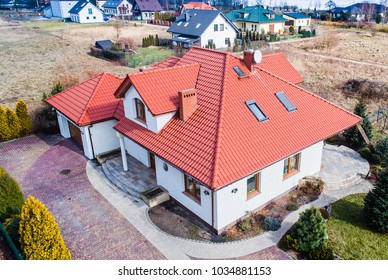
(86, 142)
(218, 37)
(63, 125)
(173, 181)
(104, 137)
(230, 206)
(137, 151)
(153, 123)
(61, 8)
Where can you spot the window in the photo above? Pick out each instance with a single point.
(192, 188)
(285, 101)
(215, 27)
(210, 42)
(227, 41)
(94, 17)
(238, 70)
(291, 165)
(253, 185)
(140, 110)
(221, 27)
(243, 26)
(256, 111)
(90, 11)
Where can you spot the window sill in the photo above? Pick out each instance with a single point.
(288, 175)
(193, 197)
(141, 120)
(252, 194)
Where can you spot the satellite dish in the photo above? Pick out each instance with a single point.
(257, 56)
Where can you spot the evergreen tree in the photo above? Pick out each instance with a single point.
(156, 40)
(243, 45)
(310, 230)
(12, 122)
(376, 204)
(381, 150)
(5, 132)
(24, 117)
(40, 236)
(11, 196)
(353, 135)
(235, 45)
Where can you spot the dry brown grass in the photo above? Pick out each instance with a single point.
(36, 54)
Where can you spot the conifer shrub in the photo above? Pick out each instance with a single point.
(321, 253)
(24, 118)
(352, 135)
(271, 223)
(40, 236)
(11, 196)
(381, 151)
(13, 123)
(11, 225)
(5, 132)
(376, 204)
(310, 230)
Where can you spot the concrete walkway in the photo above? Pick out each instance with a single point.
(136, 212)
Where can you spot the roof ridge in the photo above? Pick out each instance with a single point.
(219, 128)
(308, 92)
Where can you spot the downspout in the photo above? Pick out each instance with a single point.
(91, 141)
(213, 229)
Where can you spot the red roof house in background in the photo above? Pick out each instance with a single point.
(194, 5)
(225, 135)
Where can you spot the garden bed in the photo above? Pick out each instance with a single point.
(174, 219)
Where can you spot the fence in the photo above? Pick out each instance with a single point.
(10, 243)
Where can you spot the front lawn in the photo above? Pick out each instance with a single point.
(350, 237)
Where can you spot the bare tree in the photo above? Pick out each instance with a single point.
(368, 11)
(317, 4)
(384, 18)
(330, 5)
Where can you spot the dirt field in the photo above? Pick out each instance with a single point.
(37, 53)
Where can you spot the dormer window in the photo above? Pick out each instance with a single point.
(140, 110)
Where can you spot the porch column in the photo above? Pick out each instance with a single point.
(123, 152)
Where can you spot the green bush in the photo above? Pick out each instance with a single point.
(11, 196)
(13, 123)
(245, 224)
(11, 225)
(376, 204)
(271, 223)
(321, 253)
(113, 55)
(288, 242)
(381, 151)
(5, 131)
(292, 206)
(40, 236)
(368, 154)
(310, 230)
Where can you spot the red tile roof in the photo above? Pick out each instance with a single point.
(89, 102)
(198, 6)
(279, 65)
(166, 82)
(222, 141)
(168, 62)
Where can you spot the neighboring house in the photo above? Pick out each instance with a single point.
(117, 8)
(87, 113)
(194, 6)
(104, 44)
(257, 19)
(48, 12)
(202, 28)
(145, 9)
(358, 12)
(61, 8)
(86, 12)
(298, 20)
(224, 135)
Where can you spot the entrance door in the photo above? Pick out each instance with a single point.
(272, 28)
(152, 161)
(75, 133)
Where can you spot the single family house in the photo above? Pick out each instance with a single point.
(257, 19)
(60, 8)
(194, 6)
(145, 9)
(224, 134)
(117, 8)
(86, 12)
(297, 20)
(203, 28)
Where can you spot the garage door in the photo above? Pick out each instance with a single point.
(75, 133)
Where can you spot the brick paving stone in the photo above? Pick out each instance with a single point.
(91, 227)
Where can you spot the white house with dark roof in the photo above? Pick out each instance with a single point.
(203, 28)
(86, 12)
(61, 8)
(117, 8)
(298, 20)
(145, 9)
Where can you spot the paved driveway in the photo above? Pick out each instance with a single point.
(53, 170)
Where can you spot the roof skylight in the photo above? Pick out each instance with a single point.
(256, 111)
(238, 70)
(285, 101)
(198, 25)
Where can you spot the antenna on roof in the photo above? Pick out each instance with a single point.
(257, 56)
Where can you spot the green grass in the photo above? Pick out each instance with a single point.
(350, 237)
(148, 56)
